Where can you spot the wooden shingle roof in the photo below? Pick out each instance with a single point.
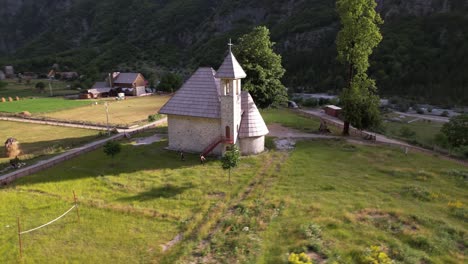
(252, 124)
(199, 96)
(126, 77)
(230, 69)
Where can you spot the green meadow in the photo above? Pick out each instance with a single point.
(41, 141)
(41, 105)
(332, 200)
(24, 89)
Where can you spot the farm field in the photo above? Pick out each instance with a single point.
(330, 199)
(41, 105)
(126, 112)
(42, 140)
(290, 118)
(129, 206)
(13, 89)
(421, 131)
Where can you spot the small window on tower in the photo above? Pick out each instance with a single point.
(228, 87)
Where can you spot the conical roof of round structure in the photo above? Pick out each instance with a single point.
(252, 124)
(230, 69)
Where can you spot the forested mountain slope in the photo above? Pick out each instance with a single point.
(424, 52)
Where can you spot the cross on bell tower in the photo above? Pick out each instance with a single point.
(230, 46)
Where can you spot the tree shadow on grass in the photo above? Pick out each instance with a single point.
(33, 151)
(167, 191)
(132, 159)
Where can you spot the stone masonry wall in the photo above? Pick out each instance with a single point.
(193, 134)
(251, 146)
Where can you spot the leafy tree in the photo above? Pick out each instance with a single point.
(357, 38)
(40, 86)
(112, 148)
(262, 66)
(456, 130)
(231, 159)
(170, 82)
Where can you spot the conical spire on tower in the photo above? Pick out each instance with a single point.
(230, 69)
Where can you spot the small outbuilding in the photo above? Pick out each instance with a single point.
(2, 75)
(332, 110)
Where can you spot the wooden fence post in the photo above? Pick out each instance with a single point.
(19, 239)
(76, 206)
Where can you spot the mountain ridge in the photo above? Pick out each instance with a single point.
(96, 37)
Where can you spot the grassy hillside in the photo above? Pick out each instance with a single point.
(421, 56)
(330, 199)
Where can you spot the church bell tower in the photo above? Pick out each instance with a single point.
(230, 74)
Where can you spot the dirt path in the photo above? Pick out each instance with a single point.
(220, 215)
(287, 137)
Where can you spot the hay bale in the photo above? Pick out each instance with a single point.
(3, 99)
(10, 99)
(25, 114)
(12, 148)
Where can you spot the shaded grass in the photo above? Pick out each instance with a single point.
(329, 198)
(294, 119)
(41, 105)
(356, 199)
(125, 112)
(290, 118)
(129, 210)
(23, 89)
(42, 140)
(424, 131)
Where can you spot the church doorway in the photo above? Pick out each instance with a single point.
(228, 132)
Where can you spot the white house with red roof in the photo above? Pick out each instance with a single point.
(210, 112)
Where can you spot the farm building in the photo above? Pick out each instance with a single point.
(130, 83)
(68, 75)
(2, 75)
(210, 112)
(99, 89)
(332, 110)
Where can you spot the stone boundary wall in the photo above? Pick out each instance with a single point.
(9, 177)
(52, 121)
(42, 165)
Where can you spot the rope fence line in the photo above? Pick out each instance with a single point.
(75, 206)
(44, 225)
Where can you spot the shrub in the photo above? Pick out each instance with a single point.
(420, 111)
(299, 258)
(310, 102)
(445, 114)
(419, 193)
(458, 210)
(112, 148)
(270, 143)
(375, 255)
(155, 117)
(40, 86)
(406, 132)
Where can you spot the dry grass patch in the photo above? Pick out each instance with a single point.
(126, 112)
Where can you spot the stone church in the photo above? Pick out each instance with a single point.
(210, 112)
